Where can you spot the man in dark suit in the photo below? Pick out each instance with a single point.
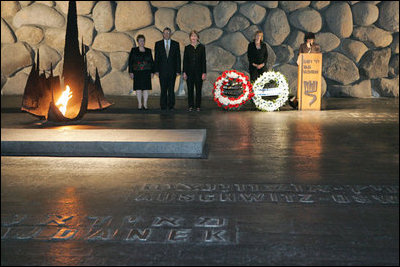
(167, 65)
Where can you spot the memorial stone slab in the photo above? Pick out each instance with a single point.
(105, 143)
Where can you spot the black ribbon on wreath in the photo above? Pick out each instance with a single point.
(232, 89)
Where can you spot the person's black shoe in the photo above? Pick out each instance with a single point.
(145, 108)
(140, 108)
(294, 103)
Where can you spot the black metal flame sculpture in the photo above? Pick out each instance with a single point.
(40, 92)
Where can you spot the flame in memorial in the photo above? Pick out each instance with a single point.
(63, 100)
(84, 94)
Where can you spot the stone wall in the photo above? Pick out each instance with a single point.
(359, 39)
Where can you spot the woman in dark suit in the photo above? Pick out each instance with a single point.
(141, 70)
(194, 69)
(257, 54)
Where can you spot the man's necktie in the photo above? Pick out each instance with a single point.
(167, 49)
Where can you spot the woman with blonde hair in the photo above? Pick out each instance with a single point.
(257, 54)
(194, 69)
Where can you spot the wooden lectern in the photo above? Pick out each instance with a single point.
(309, 81)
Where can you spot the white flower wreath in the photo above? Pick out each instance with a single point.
(231, 102)
(282, 91)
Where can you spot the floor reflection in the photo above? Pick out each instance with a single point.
(271, 139)
(67, 207)
(69, 202)
(240, 128)
(307, 148)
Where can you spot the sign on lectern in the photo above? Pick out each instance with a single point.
(309, 81)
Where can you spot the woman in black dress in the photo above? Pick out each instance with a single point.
(141, 70)
(194, 69)
(257, 54)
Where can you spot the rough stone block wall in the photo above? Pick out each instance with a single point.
(359, 39)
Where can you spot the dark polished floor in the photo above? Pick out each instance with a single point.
(279, 188)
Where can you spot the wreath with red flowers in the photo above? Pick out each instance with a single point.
(232, 89)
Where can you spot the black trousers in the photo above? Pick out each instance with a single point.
(255, 73)
(191, 83)
(167, 84)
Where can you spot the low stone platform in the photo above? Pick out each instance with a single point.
(104, 142)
